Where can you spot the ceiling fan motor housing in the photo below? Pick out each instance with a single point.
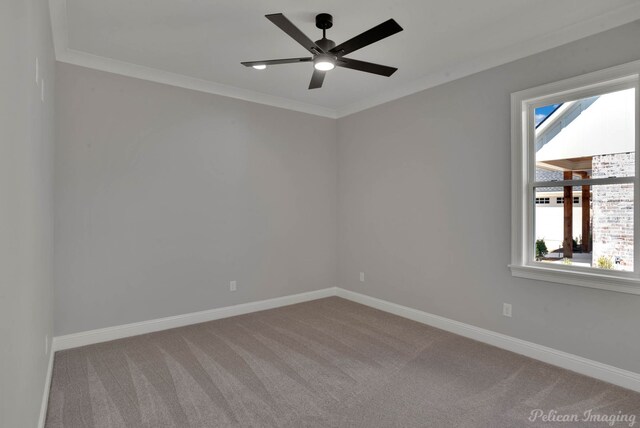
(325, 44)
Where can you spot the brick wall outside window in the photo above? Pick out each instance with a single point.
(612, 209)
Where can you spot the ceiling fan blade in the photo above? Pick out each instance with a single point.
(379, 32)
(316, 79)
(368, 67)
(276, 61)
(287, 26)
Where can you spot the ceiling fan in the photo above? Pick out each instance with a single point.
(326, 55)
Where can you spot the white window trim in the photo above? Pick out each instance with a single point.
(523, 103)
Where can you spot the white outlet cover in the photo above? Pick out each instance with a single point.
(506, 309)
(361, 276)
(232, 286)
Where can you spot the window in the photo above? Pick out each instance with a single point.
(574, 143)
(560, 200)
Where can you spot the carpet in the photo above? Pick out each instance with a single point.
(325, 363)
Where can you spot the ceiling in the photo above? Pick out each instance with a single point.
(198, 44)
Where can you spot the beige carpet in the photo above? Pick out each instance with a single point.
(326, 363)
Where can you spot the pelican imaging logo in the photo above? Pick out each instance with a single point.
(623, 419)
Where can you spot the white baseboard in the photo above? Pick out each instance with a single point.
(607, 373)
(118, 332)
(45, 395)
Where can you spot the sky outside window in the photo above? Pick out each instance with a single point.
(543, 112)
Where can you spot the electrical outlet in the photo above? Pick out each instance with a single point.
(361, 276)
(232, 286)
(506, 309)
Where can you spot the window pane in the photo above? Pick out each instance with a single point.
(598, 230)
(589, 138)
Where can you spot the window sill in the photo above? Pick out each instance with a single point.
(584, 279)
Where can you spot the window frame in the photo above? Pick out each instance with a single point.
(523, 105)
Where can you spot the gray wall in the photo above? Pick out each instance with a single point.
(424, 208)
(26, 189)
(164, 195)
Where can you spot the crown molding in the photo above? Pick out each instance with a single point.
(83, 59)
(59, 25)
(551, 40)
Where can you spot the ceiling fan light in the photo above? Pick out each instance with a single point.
(324, 63)
(259, 66)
